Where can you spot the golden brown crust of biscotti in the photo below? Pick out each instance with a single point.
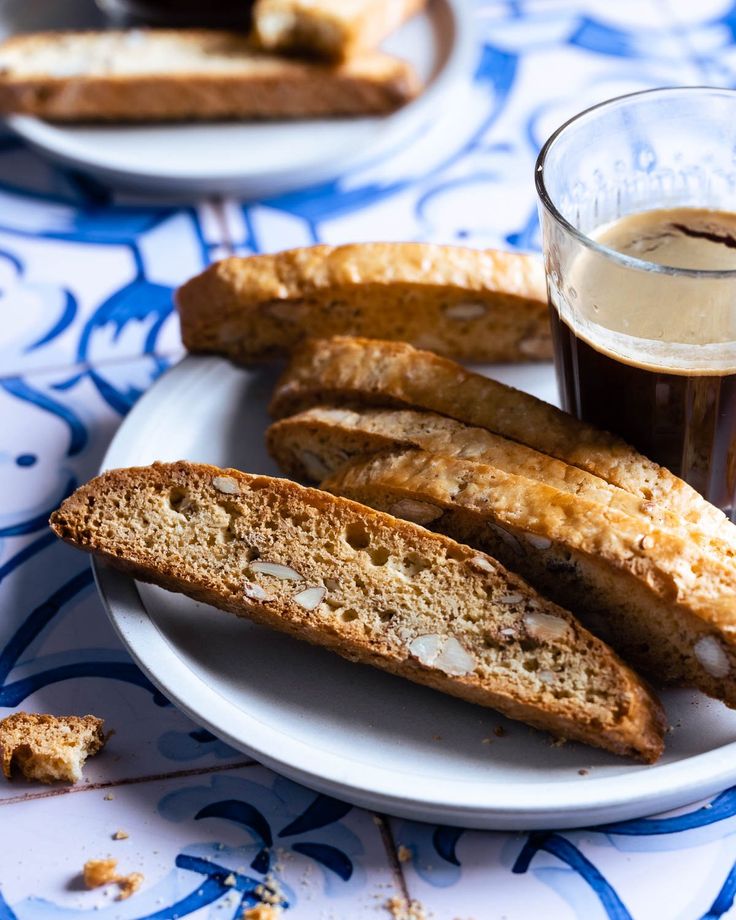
(652, 593)
(476, 305)
(373, 589)
(315, 443)
(345, 370)
(188, 75)
(334, 29)
(48, 748)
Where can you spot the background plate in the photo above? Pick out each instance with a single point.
(349, 730)
(251, 158)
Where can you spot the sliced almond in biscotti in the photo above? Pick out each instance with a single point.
(660, 601)
(368, 586)
(314, 443)
(476, 305)
(393, 374)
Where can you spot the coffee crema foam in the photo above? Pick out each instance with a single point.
(652, 317)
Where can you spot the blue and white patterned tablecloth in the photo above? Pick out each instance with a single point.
(87, 324)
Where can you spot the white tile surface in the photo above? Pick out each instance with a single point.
(340, 870)
(86, 275)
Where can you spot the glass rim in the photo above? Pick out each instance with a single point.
(612, 254)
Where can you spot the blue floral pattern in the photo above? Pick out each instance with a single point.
(86, 278)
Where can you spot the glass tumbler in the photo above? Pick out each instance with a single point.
(646, 350)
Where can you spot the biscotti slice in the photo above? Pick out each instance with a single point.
(476, 305)
(663, 604)
(345, 370)
(313, 444)
(370, 587)
(48, 749)
(334, 29)
(181, 75)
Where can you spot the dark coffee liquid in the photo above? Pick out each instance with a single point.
(686, 423)
(650, 355)
(178, 13)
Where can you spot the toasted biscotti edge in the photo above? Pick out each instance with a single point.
(665, 607)
(475, 305)
(350, 370)
(370, 84)
(637, 729)
(315, 443)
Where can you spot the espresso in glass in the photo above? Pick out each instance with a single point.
(664, 400)
(638, 213)
(178, 13)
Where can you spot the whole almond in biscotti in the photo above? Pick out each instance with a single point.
(368, 586)
(665, 605)
(472, 304)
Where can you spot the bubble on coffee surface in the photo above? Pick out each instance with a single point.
(689, 238)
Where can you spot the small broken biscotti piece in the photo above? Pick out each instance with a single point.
(315, 443)
(476, 305)
(335, 29)
(661, 602)
(100, 872)
(368, 586)
(48, 749)
(369, 372)
(187, 75)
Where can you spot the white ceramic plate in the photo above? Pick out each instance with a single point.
(261, 159)
(349, 730)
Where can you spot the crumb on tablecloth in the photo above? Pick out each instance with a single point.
(404, 853)
(261, 912)
(271, 898)
(401, 909)
(99, 872)
(129, 884)
(269, 892)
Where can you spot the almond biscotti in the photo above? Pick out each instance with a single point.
(664, 605)
(48, 749)
(344, 371)
(476, 305)
(183, 75)
(313, 444)
(333, 29)
(370, 587)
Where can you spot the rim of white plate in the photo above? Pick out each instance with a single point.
(468, 803)
(65, 146)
